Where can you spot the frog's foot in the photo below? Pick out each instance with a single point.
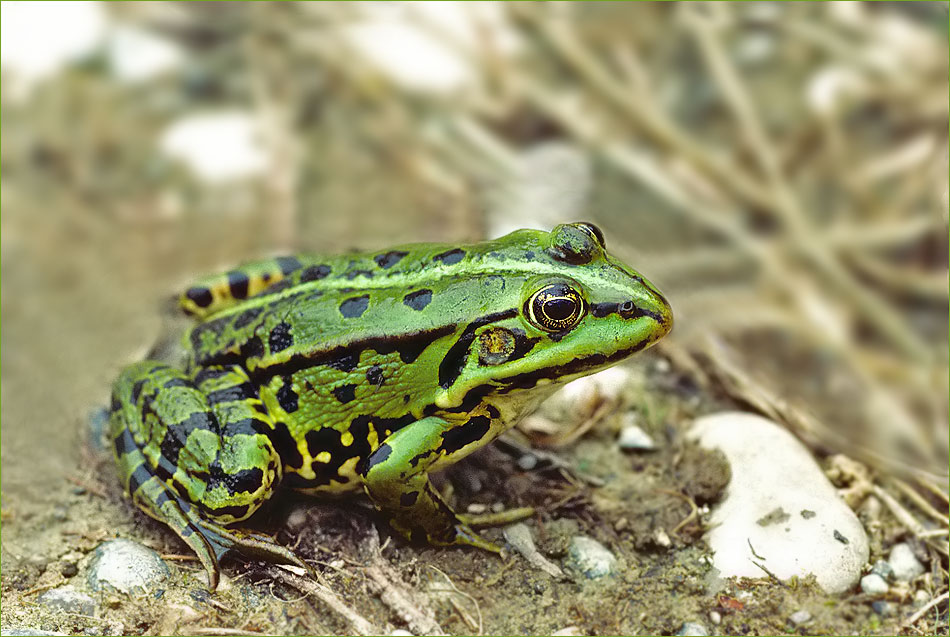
(210, 541)
(249, 543)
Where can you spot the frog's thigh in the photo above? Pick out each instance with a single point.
(145, 433)
(396, 479)
(177, 447)
(245, 468)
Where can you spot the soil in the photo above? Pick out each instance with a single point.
(637, 510)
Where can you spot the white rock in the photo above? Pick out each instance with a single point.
(125, 566)
(693, 628)
(217, 146)
(779, 509)
(873, 584)
(391, 39)
(38, 39)
(590, 557)
(635, 439)
(67, 598)
(136, 55)
(905, 564)
(799, 617)
(715, 617)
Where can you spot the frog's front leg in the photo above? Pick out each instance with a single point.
(195, 455)
(397, 480)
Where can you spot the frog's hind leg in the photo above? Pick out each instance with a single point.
(195, 455)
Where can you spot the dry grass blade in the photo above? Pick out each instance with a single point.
(356, 622)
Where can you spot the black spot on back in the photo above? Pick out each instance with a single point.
(200, 296)
(345, 393)
(288, 264)
(315, 273)
(352, 274)
(238, 283)
(418, 300)
(374, 375)
(355, 306)
(450, 256)
(280, 337)
(389, 259)
(287, 398)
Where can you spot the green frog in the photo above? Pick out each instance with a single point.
(366, 372)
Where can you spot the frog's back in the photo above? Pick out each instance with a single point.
(325, 307)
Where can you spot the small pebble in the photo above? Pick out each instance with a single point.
(715, 617)
(873, 584)
(68, 599)
(527, 462)
(297, 518)
(693, 628)
(568, 631)
(125, 566)
(477, 508)
(498, 507)
(69, 569)
(60, 513)
(920, 598)
(662, 539)
(399, 632)
(883, 569)
(905, 564)
(799, 617)
(881, 607)
(633, 438)
(590, 557)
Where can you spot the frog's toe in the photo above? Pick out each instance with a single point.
(501, 518)
(251, 544)
(465, 536)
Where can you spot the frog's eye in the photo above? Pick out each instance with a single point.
(593, 231)
(555, 307)
(576, 243)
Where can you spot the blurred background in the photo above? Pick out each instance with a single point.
(778, 169)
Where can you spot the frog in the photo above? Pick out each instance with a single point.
(366, 372)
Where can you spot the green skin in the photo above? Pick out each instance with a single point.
(367, 371)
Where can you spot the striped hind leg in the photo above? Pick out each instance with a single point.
(196, 456)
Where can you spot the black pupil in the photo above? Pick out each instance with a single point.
(559, 309)
(626, 307)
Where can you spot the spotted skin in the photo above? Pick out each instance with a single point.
(367, 372)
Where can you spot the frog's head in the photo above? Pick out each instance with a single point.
(579, 310)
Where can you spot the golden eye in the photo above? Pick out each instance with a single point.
(555, 307)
